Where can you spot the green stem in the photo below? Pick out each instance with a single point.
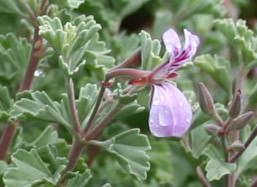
(202, 178)
(92, 117)
(73, 110)
(92, 134)
(246, 144)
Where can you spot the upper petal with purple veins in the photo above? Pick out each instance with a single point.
(170, 112)
(179, 56)
(172, 42)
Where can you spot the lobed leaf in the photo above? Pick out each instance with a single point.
(41, 106)
(218, 68)
(150, 50)
(15, 51)
(216, 167)
(130, 149)
(241, 38)
(28, 169)
(76, 42)
(80, 180)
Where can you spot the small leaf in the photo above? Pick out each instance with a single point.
(240, 37)
(215, 167)
(48, 136)
(80, 180)
(249, 157)
(3, 167)
(199, 141)
(218, 68)
(15, 51)
(87, 97)
(161, 164)
(42, 107)
(150, 50)
(11, 6)
(68, 3)
(130, 149)
(5, 101)
(76, 42)
(29, 169)
(126, 7)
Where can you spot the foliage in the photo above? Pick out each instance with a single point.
(74, 85)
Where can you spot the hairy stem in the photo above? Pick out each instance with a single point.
(32, 16)
(33, 62)
(77, 148)
(73, 110)
(126, 72)
(201, 177)
(92, 117)
(91, 135)
(132, 61)
(6, 140)
(246, 144)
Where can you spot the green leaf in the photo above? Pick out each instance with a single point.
(68, 3)
(150, 50)
(15, 51)
(123, 45)
(199, 141)
(41, 106)
(80, 180)
(126, 7)
(11, 6)
(6, 101)
(216, 167)
(240, 37)
(249, 157)
(3, 167)
(161, 164)
(76, 43)
(161, 23)
(28, 169)
(48, 136)
(218, 68)
(130, 149)
(87, 98)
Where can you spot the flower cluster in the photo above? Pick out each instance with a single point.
(170, 112)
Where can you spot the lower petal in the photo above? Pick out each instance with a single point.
(170, 113)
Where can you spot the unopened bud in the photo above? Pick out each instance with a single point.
(205, 99)
(235, 106)
(212, 129)
(237, 145)
(241, 121)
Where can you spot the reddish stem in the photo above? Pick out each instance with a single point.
(33, 62)
(6, 139)
(10, 130)
(77, 148)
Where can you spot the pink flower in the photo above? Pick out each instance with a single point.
(170, 112)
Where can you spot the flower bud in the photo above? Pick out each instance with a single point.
(212, 129)
(235, 106)
(205, 99)
(241, 121)
(237, 145)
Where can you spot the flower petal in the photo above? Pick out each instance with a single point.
(170, 113)
(189, 50)
(172, 42)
